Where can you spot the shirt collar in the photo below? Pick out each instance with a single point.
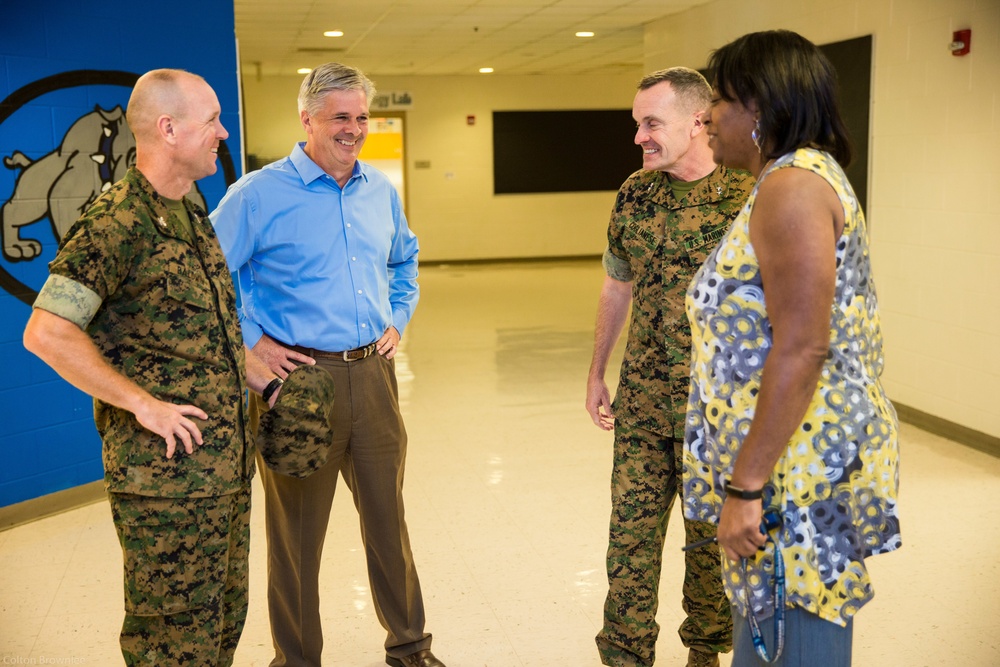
(309, 171)
(712, 188)
(160, 214)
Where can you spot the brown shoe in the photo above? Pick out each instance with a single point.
(702, 659)
(422, 658)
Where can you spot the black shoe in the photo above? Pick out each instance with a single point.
(423, 658)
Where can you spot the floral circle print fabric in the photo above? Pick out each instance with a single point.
(836, 483)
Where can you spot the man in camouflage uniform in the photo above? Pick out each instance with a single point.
(139, 311)
(666, 219)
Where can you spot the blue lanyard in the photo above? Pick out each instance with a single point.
(779, 603)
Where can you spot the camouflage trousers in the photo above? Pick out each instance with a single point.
(645, 482)
(186, 575)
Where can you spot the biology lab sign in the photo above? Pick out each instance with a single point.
(391, 101)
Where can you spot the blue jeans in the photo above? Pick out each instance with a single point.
(809, 642)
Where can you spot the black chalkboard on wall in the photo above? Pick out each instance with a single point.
(563, 151)
(852, 59)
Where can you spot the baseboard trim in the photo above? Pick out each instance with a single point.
(87, 494)
(53, 503)
(510, 260)
(978, 440)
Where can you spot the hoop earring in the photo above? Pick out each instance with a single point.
(755, 134)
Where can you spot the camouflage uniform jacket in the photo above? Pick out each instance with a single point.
(658, 243)
(168, 322)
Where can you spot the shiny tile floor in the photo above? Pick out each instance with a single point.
(507, 499)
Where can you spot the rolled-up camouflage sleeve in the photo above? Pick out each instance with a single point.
(616, 267)
(69, 300)
(615, 257)
(88, 267)
(96, 253)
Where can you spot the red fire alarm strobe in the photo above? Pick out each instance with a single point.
(960, 40)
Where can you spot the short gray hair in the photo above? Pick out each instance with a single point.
(689, 85)
(327, 78)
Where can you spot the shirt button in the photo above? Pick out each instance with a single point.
(348, 224)
(354, 259)
(363, 325)
(359, 291)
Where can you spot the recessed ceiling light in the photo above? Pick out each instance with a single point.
(333, 33)
(584, 33)
(303, 70)
(485, 70)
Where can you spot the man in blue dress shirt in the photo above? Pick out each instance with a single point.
(327, 270)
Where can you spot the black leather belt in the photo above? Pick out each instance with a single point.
(347, 355)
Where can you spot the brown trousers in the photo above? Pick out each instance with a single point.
(369, 449)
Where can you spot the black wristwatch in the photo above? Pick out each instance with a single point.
(271, 387)
(743, 494)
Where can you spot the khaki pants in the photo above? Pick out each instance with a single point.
(369, 449)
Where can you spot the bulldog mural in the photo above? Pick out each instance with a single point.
(95, 152)
(44, 190)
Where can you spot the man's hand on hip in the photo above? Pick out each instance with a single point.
(278, 358)
(388, 344)
(171, 423)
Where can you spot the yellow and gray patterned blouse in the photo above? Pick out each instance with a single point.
(836, 483)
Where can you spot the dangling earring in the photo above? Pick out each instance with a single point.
(755, 134)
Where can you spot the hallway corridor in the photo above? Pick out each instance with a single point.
(507, 490)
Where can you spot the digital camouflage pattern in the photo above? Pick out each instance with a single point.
(186, 576)
(657, 243)
(295, 436)
(168, 321)
(645, 483)
(152, 289)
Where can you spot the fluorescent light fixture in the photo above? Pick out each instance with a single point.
(333, 33)
(584, 33)
(303, 70)
(485, 70)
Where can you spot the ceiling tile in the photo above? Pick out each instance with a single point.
(447, 36)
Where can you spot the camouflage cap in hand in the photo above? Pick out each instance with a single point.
(294, 436)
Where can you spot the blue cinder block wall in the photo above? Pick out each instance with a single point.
(66, 71)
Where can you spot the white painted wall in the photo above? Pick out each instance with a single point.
(935, 179)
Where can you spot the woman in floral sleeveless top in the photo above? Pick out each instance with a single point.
(786, 411)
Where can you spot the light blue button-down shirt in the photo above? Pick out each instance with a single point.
(318, 265)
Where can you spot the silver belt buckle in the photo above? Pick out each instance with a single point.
(359, 353)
